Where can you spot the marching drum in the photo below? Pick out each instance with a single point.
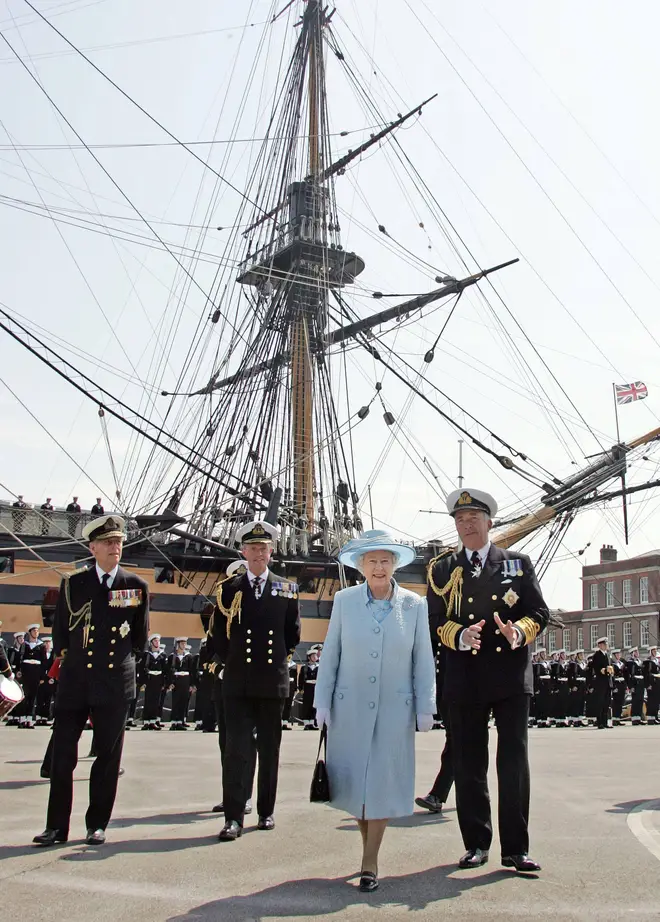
(11, 694)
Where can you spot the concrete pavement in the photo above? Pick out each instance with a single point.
(595, 828)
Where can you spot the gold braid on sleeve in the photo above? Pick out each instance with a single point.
(529, 627)
(234, 610)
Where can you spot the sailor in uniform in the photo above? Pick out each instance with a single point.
(30, 673)
(46, 515)
(635, 676)
(256, 628)
(561, 688)
(180, 670)
(46, 684)
(216, 670)
(19, 516)
(288, 704)
(601, 665)
(486, 607)
(307, 685)
(73, 517)
(97, 508)
(578, 674)
(542, 687)
(14, 654)
(101, 622)
(154, 675)
(619, 686)
(652, 682)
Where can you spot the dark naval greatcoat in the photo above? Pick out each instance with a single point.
(507, 586)
(98, 634)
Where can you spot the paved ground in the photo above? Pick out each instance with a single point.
(595, 828)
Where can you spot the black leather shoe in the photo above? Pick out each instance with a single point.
(44, 773)
(368, 882)
(522, 863)
(95, 837)
(473, 858)
(248, 807)
(121, 772)
(219, 808)
(431, 803)
(266, 822)
(50, 837)
(230, 832)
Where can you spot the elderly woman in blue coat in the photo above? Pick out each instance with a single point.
(376, 682)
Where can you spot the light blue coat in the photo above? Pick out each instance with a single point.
(375, 678)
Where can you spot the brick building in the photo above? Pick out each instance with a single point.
(620, 600)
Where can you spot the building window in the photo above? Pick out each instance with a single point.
(539, 642)
(644, 634)
(552, 641)
(593, 589)
(609, 595)
(627, 634)
(580, 638)
(611, 635)
(594, 636)
(626, 595)
(566, 638)
(643, 589)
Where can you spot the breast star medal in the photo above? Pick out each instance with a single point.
(124, 629)
(510, 598)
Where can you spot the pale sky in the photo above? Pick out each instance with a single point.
(541, 145)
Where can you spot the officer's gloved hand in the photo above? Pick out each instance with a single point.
(323, 717)
(424, 722)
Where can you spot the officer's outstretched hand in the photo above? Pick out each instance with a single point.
(471, 636)
(509, 631)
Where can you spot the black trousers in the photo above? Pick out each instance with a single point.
(653, 699)
(243, 716)
(153, 698)
(288, 703)
(618, 698)
(180, 698)
(109, 725)
(44, 698)
(542, 700)
(218, 700)
(603, 696)
(469, 728)
(445, 777)
(637, 703)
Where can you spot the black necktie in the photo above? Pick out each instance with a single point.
(104, 580)
(476, 559)
(256, 585)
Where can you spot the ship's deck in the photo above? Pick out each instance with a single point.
(595, 829)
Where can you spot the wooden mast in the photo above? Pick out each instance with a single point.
(302, 372)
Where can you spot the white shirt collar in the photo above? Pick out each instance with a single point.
(483, 553)
(264, 576)
(111, 575)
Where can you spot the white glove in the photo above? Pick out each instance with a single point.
(424, 722)
(323, 717)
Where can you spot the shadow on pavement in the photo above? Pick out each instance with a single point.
(26, 783)
(320, 897)
(629, 805)
(164, 819)
(402, 822)
(139, 847)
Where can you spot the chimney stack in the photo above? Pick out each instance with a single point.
(607, 554)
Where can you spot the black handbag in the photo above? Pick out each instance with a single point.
(319, 793)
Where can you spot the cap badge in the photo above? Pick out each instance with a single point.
(464, 499)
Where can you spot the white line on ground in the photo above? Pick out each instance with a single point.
(640, 823)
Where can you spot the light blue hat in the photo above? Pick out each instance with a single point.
(375, 540)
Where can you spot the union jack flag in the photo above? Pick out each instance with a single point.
(626, 393)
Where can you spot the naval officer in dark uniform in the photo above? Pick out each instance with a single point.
(486, 607)
(601, 664)
(255, 628)
(101, 623)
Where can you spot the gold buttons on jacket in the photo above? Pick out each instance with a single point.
(270, 661)
(471, 617)
(249, 631)
(270, 632)
(111, 653)
(494, 598)
(270, 643)
(498, 649)
(113, 640)
(110, 665)
(89, 653)
(470, 599)
(89, 665)
(474, 652)
(114, 628)
(248, 659)
(497, 630)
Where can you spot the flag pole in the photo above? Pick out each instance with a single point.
(623, 474)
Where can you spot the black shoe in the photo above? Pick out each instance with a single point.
(95, 837)
(286, 726)
(219, 808)
(44, 773)
(121, 772)
(473, 858)
(309, 727)
(248, 807)
(230, 832)
(522, 863)
(266, 822)
(50, 837)
(431, 803)
(368, 882)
